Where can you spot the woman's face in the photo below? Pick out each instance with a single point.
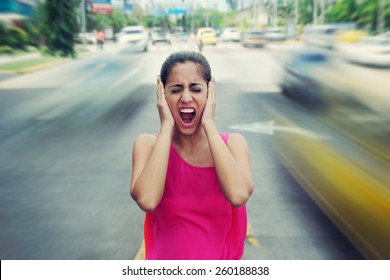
(186, 94)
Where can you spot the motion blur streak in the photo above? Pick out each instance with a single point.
(352, 190)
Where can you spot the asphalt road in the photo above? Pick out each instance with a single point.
(66, 135)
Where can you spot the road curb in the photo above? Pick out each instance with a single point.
(44, 65)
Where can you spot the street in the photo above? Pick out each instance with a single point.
(66, 136)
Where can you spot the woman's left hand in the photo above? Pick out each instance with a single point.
(208, 116)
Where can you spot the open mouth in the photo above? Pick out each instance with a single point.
(187, 115)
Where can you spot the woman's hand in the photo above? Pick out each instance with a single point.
(165, 113)
(208, 117)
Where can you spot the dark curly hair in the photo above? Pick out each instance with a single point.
(183, 57)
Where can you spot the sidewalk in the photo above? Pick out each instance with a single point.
(8, 59)
(39, 61)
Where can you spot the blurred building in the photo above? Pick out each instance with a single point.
(11, 10)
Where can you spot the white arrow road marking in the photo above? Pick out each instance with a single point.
(269, 128)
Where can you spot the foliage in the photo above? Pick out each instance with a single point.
(61, 26)
(118, 20)
(3, 33)
(33, 34)
(364, 13)
(13, 36)
(7, 50)
(344, 10)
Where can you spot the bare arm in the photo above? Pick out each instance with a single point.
(150, 163)
(232, 165)
(232, 160)
(150, 159)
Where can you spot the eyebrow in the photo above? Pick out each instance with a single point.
(180, 85)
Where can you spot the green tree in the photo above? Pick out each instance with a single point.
(363, 12)
(118, 20)
(98, 22)
(32, 31)
(367, 14)
(343, 11)
(306, 8)
(61, 26)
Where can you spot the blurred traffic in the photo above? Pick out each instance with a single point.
(321, 82)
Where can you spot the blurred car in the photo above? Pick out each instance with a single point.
(206, 36)
(275, 34)
(160, 36)
(385, 35)
(322, 36)
(346, 174)
(253, 38)
(349, 36)
(348, 32)
(134, 37)
(329, 35)
(299, 80)
(230, 34)
(370, 51)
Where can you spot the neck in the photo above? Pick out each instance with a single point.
(189, 141)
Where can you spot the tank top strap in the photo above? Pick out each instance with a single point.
(225, 137)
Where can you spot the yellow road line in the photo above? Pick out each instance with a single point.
(251, 238)
(140, 255)
(125, 78)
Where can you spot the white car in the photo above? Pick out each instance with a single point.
(370, 51)
(134, 38)
(275, 34)
(230, 34)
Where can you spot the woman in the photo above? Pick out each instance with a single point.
(192, 181)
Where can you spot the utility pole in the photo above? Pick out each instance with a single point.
(296, 19)
(83, 24)
(254, 11)
(275, 13)
(381, 16)
(207, 13)
(322, 12)
(315, 12)
(192, 17)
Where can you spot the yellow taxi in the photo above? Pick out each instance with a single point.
(206, 36)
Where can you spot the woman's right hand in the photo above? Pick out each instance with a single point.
(165, 113)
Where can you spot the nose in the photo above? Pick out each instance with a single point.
(186, 97)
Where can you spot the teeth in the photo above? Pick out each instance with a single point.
(187, 111)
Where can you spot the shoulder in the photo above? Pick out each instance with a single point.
(149, 138)
(144, 141)
(236, 140)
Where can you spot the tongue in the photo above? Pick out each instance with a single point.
(187, 118)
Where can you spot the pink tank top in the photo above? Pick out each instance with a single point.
(194, 220)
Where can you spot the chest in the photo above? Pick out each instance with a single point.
(200, 157)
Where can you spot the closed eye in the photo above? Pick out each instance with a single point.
(176, 90)
(197, 90)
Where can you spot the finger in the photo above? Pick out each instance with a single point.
(160, 89)
(157, 89)
(212, 88)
